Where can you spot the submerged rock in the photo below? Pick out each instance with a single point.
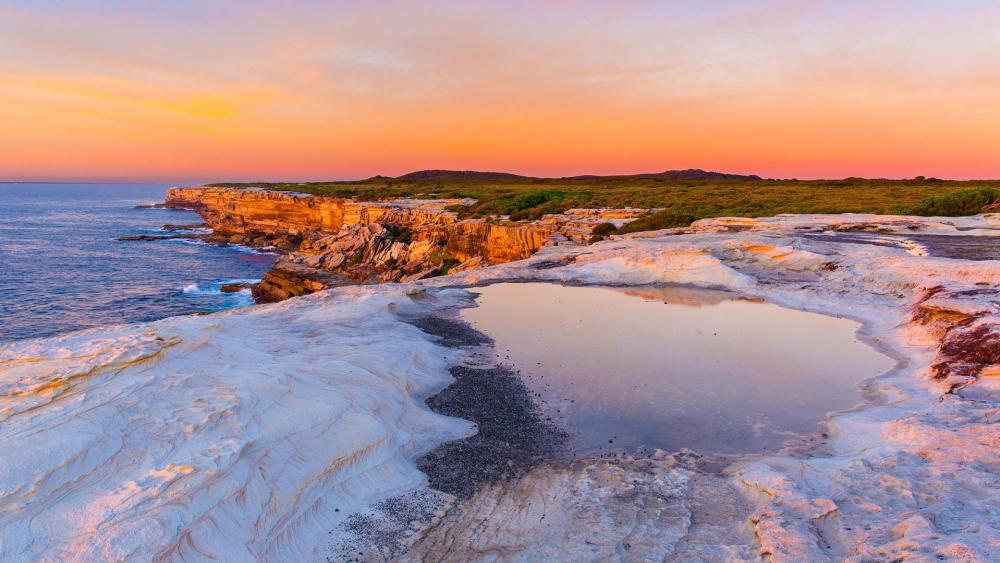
(188, 227)
(163, 237)
(235, 287)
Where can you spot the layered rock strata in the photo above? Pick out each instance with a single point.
(578, 224)
(328, 242)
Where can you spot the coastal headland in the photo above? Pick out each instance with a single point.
(434, 222)
(329, 241)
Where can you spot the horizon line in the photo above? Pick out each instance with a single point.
(161, 180)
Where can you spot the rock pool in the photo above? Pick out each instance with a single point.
(674, 367)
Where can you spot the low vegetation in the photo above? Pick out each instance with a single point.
(677, 201)
(602, 230)
(963, 202)
(444, 260)
(399, 233)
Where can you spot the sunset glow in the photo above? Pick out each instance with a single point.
(187, 91)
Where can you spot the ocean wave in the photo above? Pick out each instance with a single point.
(265, 251)
(226, 300)
(195, 242)
(195, 231)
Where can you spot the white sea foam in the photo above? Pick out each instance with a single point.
(195, 242)
(226, 300)
(265, 251)
(214, 287)
(192, 231)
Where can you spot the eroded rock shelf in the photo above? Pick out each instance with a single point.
(330, 241)
(278, 433)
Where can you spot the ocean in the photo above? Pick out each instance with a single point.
(61, 268)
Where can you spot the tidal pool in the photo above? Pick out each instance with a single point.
(672, 367)
(960, 247)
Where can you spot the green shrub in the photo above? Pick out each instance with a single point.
(682, 200)
(602, 230)
(526, 205)
(533, 198)
(399, 233)
(448, 263)
(534, 213)
(665, 219)
(444, 260)
(964, 202)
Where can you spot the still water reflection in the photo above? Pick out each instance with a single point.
(675, 367)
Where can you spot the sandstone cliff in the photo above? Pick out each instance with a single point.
(254, 215)
(332, 241)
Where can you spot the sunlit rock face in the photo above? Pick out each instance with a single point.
(578, 224)
(243, 210)
(492, 242)
(256, 434)
(393, 240)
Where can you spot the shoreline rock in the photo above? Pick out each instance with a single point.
(189, 227)
(163, 237)
(331, 242)
(311, 410)
(236, 287)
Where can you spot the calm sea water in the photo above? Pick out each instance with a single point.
(61, 268)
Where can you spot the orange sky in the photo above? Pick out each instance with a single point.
(185, 91)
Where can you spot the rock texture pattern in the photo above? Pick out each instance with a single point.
(910, 476)
(330, 241)
(256, 434)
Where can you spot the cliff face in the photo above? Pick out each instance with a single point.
(251, 210)
(494, 243)
(329, 240)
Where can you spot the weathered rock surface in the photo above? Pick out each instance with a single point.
(578, 224)
(189, 227)
(911, 475)
(607, 510)
(252, 210)
(256, 434)
(371, 241)
(235, 287)
(288, 279)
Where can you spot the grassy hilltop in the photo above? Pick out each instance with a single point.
(684, 196)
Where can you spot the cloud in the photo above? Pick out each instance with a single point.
(339, 89)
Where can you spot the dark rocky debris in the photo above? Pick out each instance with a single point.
(513, 436)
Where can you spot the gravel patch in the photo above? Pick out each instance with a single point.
(453, 334)
(514, 435)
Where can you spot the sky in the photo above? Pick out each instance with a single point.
(281, 90)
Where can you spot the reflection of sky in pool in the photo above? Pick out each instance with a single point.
(675, 367)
